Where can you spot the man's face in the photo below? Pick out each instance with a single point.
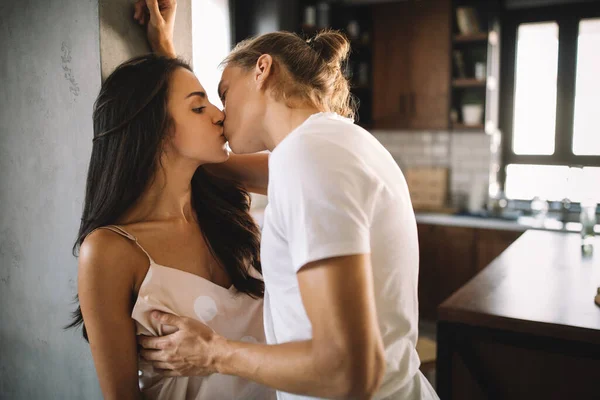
(244, 105)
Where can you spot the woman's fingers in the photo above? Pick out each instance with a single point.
(155, 16)
(139, 9)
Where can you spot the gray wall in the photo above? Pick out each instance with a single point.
(122, 39)
(50, 75)
(52, 56)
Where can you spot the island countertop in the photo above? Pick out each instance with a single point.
(541, 285)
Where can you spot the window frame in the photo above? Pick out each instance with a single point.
(567, 17)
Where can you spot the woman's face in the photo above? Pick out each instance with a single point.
(197, 124)
(245, 106)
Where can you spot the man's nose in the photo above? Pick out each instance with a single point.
(220, 116)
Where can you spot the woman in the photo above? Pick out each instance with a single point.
(159, 231)
(339, 246)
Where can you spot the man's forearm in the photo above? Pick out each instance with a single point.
(251, 170)
(289, 367)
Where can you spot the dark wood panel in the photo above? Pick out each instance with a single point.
(391, 37)
(429, 272)
(455, 258)
(446, 263)
(480, 363)
(411, 65)
(490, 244)
(541, 285)
(451, 256)
(430, 65)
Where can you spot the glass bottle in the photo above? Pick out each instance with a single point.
(588, 221)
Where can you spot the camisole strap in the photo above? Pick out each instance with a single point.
(123, 232)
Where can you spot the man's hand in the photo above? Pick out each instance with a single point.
(159, 16)
(190, 351)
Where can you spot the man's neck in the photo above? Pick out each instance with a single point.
(282, 120)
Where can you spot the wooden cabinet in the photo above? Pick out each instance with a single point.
(450, 257)
(411, 64)
(490, 244)
(446, 263)
(429, 272)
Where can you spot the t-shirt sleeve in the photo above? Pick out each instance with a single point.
(323, 198)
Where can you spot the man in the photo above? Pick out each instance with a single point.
(339, 248)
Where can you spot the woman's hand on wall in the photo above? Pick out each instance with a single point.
(159, 18)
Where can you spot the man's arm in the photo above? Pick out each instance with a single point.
(344, 359)
(251, 170)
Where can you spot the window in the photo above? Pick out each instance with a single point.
(586, 129)
(550, 76)
(211, 41)
(535, 88)
(552, 182)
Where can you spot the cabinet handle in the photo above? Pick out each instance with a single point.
(403, 104)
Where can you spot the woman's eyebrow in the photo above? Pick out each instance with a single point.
(201, 94)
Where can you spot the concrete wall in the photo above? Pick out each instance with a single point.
(50, 74)
(121, 39)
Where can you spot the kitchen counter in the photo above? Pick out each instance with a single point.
(521, 225)
(526, 326)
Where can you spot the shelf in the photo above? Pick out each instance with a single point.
(475, 37)
(462, 127)
(468, 82)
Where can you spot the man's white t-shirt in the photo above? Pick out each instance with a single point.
(334, 190)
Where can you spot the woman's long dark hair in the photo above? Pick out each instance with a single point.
(131, 126)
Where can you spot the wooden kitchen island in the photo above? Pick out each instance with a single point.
(526, 327)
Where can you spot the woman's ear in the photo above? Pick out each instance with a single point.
(263, 69)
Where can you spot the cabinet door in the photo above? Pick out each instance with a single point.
(411, 65)
(391, 39)
(455, 257)
(447, 263)
(430, 65)
(428, 272)
(492, 243)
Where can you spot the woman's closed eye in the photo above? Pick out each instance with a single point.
(198, 110)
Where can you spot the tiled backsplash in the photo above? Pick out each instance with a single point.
(466, 154)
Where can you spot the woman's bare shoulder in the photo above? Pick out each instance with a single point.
(105, 254)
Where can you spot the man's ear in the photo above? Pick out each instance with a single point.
(263, 69)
